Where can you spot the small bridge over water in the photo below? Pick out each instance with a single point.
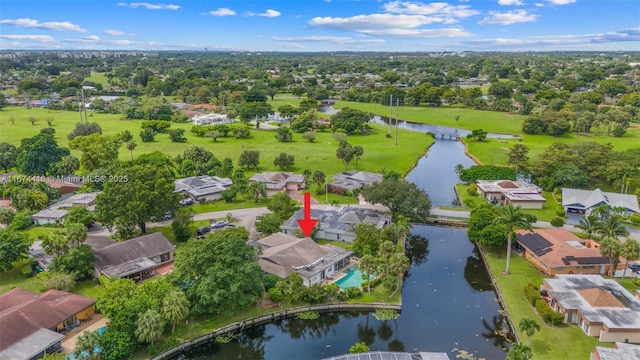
(444, 135)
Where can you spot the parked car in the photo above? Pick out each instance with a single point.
(187, 201)
(219, 224)
(634, 267)
(202, 232)
(167, 216)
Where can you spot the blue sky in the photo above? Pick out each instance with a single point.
(322, 25)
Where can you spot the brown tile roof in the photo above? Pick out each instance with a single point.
(599, 297)
(507, 185)
(563, 244)
(24, 312)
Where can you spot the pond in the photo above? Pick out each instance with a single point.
(448, 304)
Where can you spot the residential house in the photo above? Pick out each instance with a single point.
(601, 307)
(338, 223)
(584, 201)
(202, 188)
(620, 351)
(279, 181)
(211, 119)
(349, 181)
(56, 213)
(203, 107)
(284, 254)
(517, 193)
(33, 324)
(137, 258)
(558, 251)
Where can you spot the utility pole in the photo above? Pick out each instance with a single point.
(390, 111)
(79, 105)
(397, 118)
(84, 107)
(326, 191)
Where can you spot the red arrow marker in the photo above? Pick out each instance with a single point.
(307, 224)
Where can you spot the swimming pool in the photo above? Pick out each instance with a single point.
(96, 349)
(353, 278)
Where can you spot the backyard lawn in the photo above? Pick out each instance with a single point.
(552, 343)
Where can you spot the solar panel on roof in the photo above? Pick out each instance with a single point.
(592, 260)
(533, 241)
(566, 260)
(543, 251)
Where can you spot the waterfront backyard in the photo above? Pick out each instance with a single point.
(551, 342)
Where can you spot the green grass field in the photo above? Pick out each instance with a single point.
(494, 151)
(551, 342)
(97, 78)
(379, 151)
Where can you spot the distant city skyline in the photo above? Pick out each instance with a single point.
(322, 25)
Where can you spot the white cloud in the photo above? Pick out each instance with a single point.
(508, 18)
(331, 39)
(222, 12)
(442, 9)
(567, 41)
(510, 2)
(561, 2)
(149, 6)
(539, 4)
(270, 13)
(50, 25)
(36, 38)
(113, 32)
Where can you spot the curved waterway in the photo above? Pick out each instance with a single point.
(448, 301)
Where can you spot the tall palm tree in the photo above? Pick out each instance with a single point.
(610, 249)
(513, 218)
(398, 230)
(150, 327)
(589, 225)
(612, 227)
(85, 346)
(398, 264)
(385, 251)
(528, 327)
(602, 211)
(368, 265)
(175, 307)
(131, 145)
(458, 169)
(519, 351)
(630, 251)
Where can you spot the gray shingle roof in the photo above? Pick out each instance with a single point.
(591, 198)
(340, 220)
(135, 252)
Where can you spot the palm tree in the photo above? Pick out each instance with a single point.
(519, 351)
(150, 327)
(602, 211)
(368, 264)
(630, 251)
(175, 307)
(398, 264)
(612, 227)
(358, 151)
(458, 169)
(398, 230)
(319, 177)
(85, 346)
(528, 327)
(513, 218)
(611, 248)
(131, 145)
(589, 225)
(257, 189)
(385, 251)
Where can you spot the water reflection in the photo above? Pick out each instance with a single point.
(309, 329)
(475, 274)
(417, 249)
(497, 331)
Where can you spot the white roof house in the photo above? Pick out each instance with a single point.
(210, 119)
(621, 351)
(583, 201)
(518, 193)
(57, 212)
(601, 307)
(202, 188)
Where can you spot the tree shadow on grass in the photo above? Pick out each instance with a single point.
(539, 347)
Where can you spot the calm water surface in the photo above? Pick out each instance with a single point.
(448, 304)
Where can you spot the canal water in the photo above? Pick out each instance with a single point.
(449, 304)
